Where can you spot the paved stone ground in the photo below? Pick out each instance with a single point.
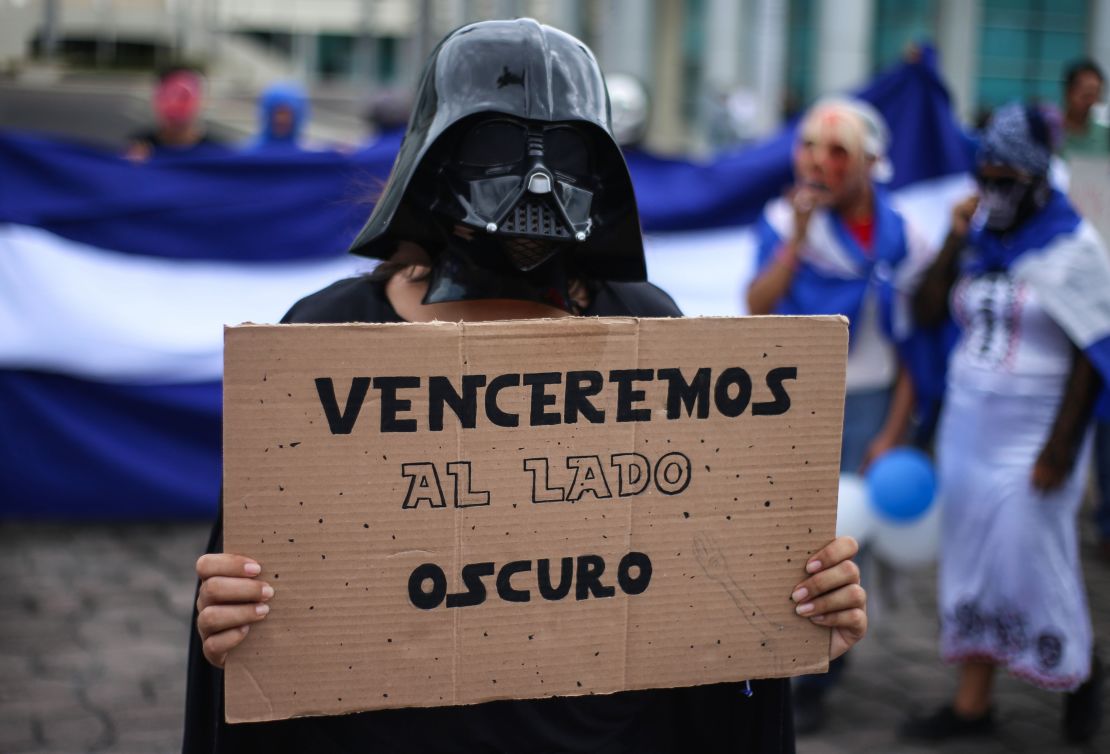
(896, 672)
(94, 622)
(93, 630)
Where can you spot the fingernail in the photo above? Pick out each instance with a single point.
(799, 594)
(261, 609)
(244, 629)
(804, 608)
(818, 619)
(813, 566)
(252, 569)
(267, 592)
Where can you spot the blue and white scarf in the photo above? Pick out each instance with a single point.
(835, 274)
(1061, 257)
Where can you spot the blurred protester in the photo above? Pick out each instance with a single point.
(386, 114)
(835, 245)
(282, 117)
(1027, 281)
(1083, 88)
(178, 102)
(722, 129)
(631, 109)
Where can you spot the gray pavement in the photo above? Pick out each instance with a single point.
(93, 630)
(94, 622)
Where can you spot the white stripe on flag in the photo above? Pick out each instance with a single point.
(86, 312)
(97, 314)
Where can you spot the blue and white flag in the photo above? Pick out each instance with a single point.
(116, 280)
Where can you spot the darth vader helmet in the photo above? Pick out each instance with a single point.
(510, 140)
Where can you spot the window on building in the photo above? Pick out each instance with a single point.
(898, 24)
(801, 56)
(388, 49)
(693, 46)
(1024, 46)
(336, 53)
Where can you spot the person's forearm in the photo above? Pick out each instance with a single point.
(901, 408)
(1075, 410)
(930, 303)
(772, 284)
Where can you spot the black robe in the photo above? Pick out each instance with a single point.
(704, 719)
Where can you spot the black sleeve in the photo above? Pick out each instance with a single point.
(357, 299)
(722, 718)
(203, 683)
(205, 731)
(632, 300)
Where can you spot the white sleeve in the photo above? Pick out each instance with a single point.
(920, 253)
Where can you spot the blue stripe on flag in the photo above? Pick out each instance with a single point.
(73, 449)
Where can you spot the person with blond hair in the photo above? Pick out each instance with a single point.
(835, 245)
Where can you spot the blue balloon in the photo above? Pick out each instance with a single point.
(902, 484)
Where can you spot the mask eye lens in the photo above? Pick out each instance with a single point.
(493, 144)
(567, 151)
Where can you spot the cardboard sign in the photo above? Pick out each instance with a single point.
(456, 513)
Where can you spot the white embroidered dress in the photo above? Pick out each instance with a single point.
(1011, 589)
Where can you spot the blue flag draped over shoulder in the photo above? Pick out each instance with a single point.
(835, 272)
(116, 280)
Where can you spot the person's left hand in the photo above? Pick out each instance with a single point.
(1052, 468)
(832, 595)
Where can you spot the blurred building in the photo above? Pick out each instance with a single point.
(719, 71)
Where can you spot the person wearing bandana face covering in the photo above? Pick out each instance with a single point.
(835, 245)
(509, 199)
(1027, 282)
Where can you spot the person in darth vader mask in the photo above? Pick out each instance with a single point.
(509, 199)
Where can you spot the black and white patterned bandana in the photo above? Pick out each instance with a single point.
(1008, 140)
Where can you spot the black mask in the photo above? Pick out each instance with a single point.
(1005, 203)
(529, 181)
(510, 135)
(480, 268)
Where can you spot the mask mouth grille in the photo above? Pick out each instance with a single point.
(528, 253)
(535, 217)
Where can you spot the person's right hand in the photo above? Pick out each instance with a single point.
(804, 199)
(962, 213)
(230, 599)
